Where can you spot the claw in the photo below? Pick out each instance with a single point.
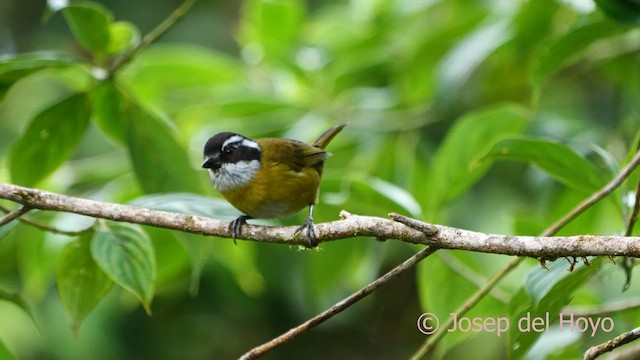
(235, 227)
(312, 240)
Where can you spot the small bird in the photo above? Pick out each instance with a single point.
(269, 177)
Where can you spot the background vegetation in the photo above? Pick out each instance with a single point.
(495, 116)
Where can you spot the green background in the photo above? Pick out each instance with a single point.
(485, 115)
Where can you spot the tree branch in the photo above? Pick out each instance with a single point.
(350, 226)
(340, 306)
(154, 35)
(612, 344)
(432, 341)
(27, 220)
(12, 215)
(597, 196)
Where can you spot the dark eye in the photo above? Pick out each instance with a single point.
(229, 150)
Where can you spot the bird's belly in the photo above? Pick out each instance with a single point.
(268, 199)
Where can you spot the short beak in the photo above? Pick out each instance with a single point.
(211, 163)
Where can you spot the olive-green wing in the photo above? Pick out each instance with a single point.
(295, 154)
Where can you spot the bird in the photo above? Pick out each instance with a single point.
(268, 178)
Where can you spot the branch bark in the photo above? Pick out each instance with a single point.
(612, 344)
(443, 237)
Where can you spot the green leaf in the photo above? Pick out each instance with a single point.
(125, 253)
(80, 281)
(273, 24)
(242, 264)
(544, 295)
(460, 63)
(558, 160)
(197, 247)
(109, 107)
(123, 35)
(187, 203)
(160, 163)
(623, 11)
(49, 140)
(455, 167)
(17, 67)
(165, 69)
(560, 53)
(89, 22)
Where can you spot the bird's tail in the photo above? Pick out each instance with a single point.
(323, 140)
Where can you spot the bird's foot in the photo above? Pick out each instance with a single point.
(235, 227)
(312, 240)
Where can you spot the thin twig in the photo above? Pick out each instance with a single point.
(596, 351)
(627, 262)
(597, 196)
(634, 213)
(431, 341)
(154, 35)
(339, 306)
(40, 226)
(12, 215)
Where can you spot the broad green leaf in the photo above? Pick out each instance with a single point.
(122, 36)
(15, 68)
(533, 23)
(458, 65)
(544, 295)
(125, 253)
(187, 203)
(242, 264)
(397, 194)
(558, 160)
(89, 22)
(159, 161)
(197, 247)
(273, 25)
(110, 107)
(374, 194)
(559, 53)
(455, 167)
(166, 69)
(624, 11)
(49, 140)
(80, 282)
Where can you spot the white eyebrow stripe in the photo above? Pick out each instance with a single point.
(242, 140)
(231, 140)
(251, 144)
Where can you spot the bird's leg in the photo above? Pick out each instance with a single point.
(235, 227)
(308, 226)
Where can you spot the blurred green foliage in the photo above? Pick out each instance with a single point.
(486, 115)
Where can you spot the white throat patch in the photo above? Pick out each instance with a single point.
(234, 175)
